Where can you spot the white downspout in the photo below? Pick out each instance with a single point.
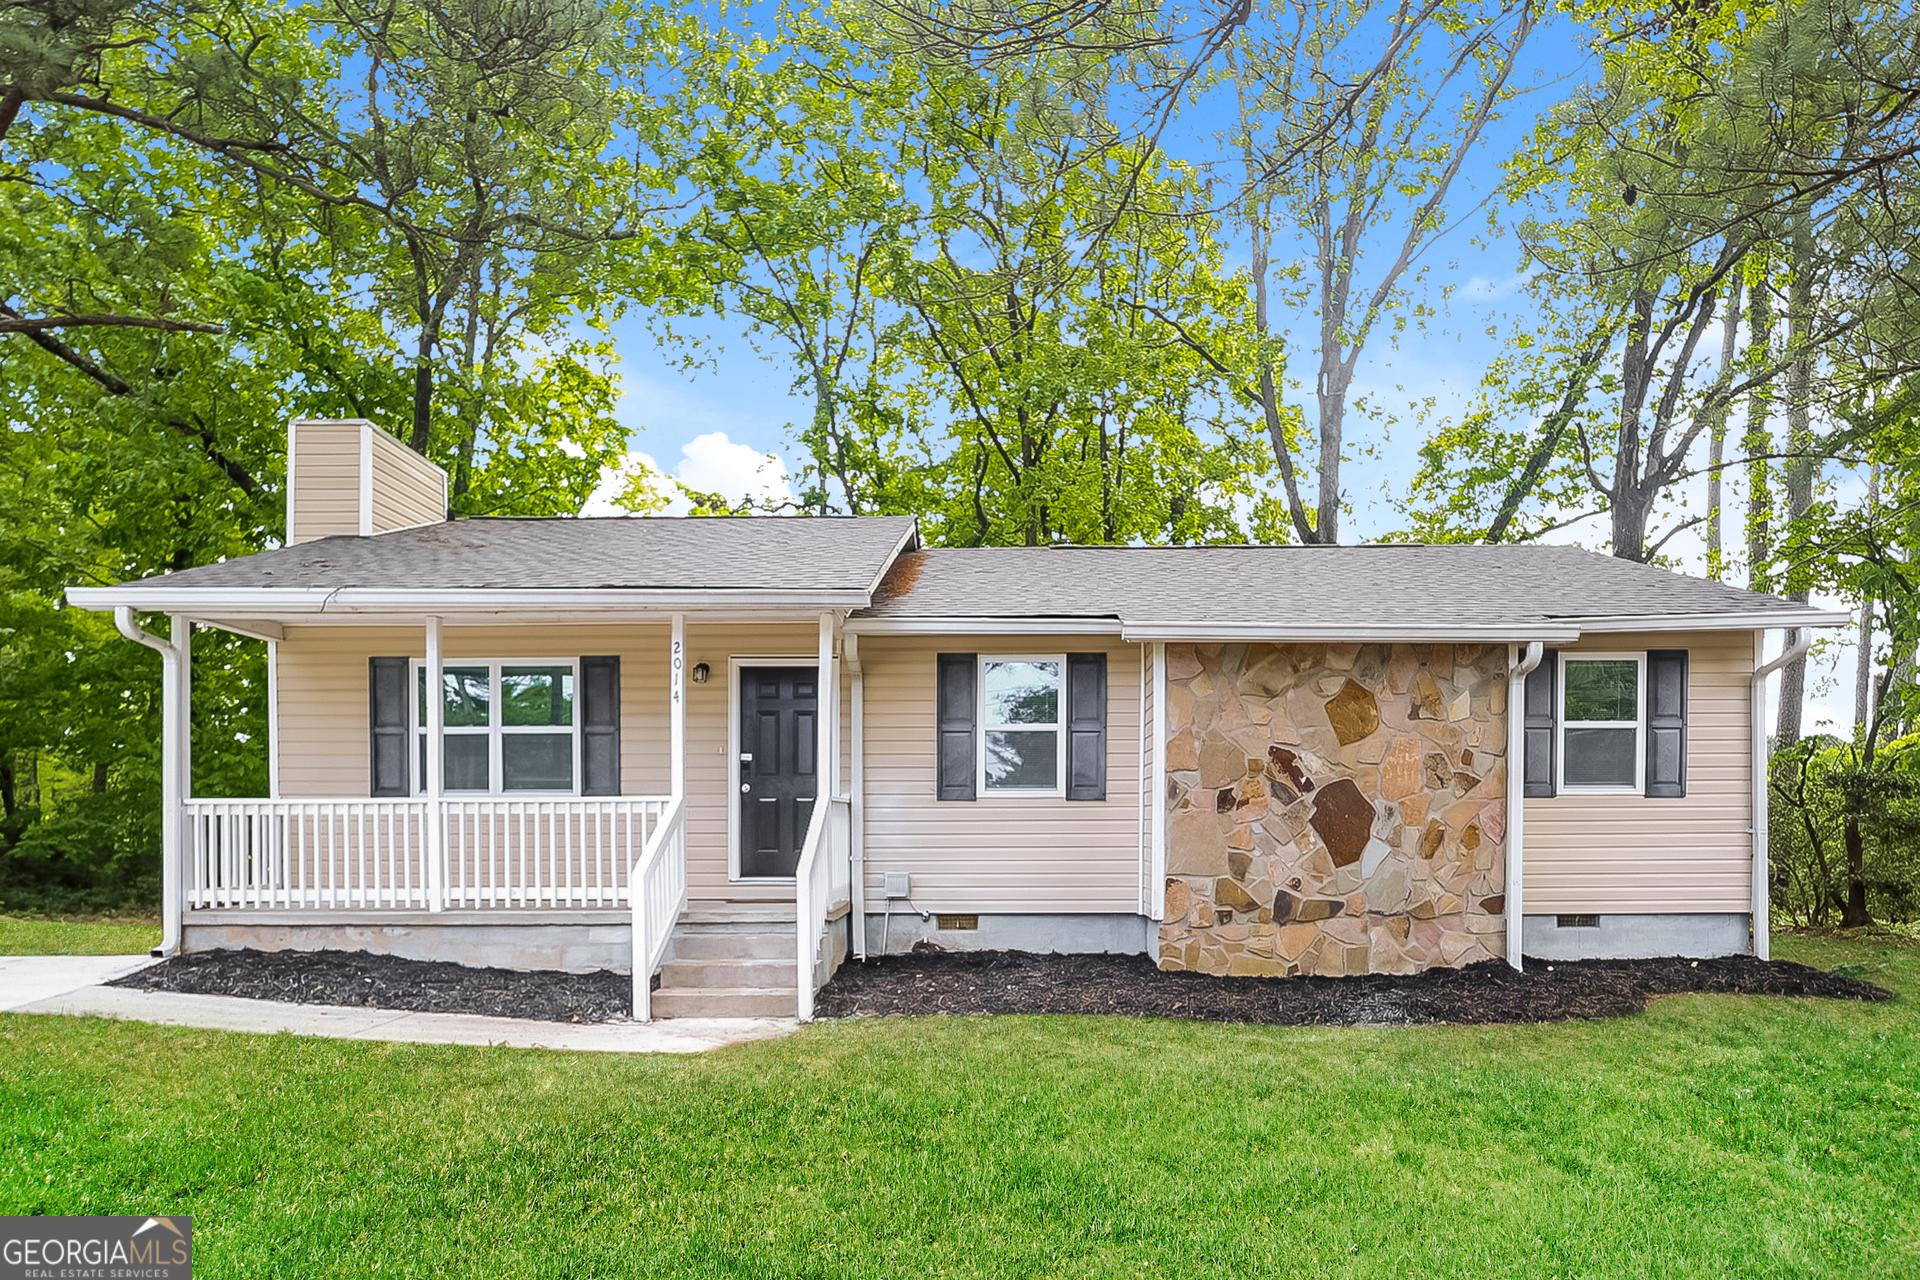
(1522, 667)
(1799, 641)
(856, 799)
(172, 767)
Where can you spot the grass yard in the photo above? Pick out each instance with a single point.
(1711, 1137)
(57, 937)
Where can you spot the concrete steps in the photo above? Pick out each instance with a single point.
(730, 961)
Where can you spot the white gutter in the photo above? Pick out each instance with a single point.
(1348, 633)
(1517, 796)
(1797, 646)
(173, 719)
(278, 602)
(1614, 623)
(983, 626)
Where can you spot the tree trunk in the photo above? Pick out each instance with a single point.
(422, 402)
(1717, 434)
(1799, 468)
(100, 778)
(1757, 443)
(1863, 659)
(1853, 912)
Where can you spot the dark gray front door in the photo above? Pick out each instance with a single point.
(779, 737)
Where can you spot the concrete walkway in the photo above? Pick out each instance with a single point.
(70, 985)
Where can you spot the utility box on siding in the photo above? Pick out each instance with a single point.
(347, 477)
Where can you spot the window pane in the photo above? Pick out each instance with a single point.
(1023, 693)
(1603, 690)
(537, 761)
(536, 695)
(1023, 760)
(465, 759)
(1600, 757)
(467, 697)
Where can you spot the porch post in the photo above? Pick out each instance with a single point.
(856, 802)
(434, 820)
(677, 708)
(273, 720)
(176, 774)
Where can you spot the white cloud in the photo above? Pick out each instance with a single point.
(709, 463)
(712, 463)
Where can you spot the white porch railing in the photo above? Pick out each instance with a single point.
(483, 853)
(662, 876)
(545, 853)
(820, 886)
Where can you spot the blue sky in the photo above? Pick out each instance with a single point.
(727, 428)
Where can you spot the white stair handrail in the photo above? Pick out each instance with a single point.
(809, 908)
(657, 890)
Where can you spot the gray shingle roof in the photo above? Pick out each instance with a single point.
(1385, 585)
(663, 553)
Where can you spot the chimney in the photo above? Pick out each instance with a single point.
(347, 477)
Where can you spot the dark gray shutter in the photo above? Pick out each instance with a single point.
(1086, 726)
(956, 721)
(600, 726)
(1540, 712)
(387, 713)
(1666, 723)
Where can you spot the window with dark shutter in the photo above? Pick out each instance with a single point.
(387, 714)
(1539, 716)
(1666, 723)
(600, 726)
(1086, 726)
(955, 725)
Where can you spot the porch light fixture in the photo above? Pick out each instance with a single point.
(700, 672)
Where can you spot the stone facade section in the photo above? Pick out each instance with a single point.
(1334, 809)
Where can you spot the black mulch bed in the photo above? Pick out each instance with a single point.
(361, 980)
(1488, 992)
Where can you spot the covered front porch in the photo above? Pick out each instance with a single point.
(547, 878)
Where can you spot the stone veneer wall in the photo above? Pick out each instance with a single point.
(1335, 809)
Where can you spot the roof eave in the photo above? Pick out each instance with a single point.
(1749, 620)
(293, 603)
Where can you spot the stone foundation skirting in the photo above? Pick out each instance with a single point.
(1335, 808)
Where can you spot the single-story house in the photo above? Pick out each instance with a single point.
(730, 752)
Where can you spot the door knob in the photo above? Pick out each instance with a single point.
(745, 787)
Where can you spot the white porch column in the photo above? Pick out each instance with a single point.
(677, 708)
(435, 821)
(177, 769)
(273, 720)
(856, 801)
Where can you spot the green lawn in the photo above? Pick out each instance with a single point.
(77, 937)
(1711, 1137)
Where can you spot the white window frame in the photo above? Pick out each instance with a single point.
(1638, 725)
(495, 730)
(982, 728)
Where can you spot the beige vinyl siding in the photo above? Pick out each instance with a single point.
(1628, 854)
(407, 489)
(324, 701)
(996, 853)
(326, 480)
